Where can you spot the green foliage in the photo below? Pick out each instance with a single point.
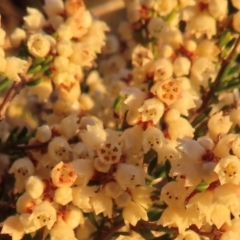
(4, 84)
(34, 82)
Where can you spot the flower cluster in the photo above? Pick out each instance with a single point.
(144, 141)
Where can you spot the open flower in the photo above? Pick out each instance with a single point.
(34, 20)
(63, 175)
(38, 45)
(228, 170)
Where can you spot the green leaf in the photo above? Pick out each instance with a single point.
(200, 117)
(154, 214)
(202, 186)
(152, 165)
(93, 220)
(22, 135)
(34, 82)
(117, 103)
(34, 69)
(235, 69)
(4, 84)
(12, 135)
(44, 68)
(37, 61)
(146, 233)
(48, 59)
(167, 167)
(225, 37)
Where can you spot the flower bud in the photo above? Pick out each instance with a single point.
(34, 186)
(43, 133)
(63, 195)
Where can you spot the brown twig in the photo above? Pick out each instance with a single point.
(12, 92)
(216, 83)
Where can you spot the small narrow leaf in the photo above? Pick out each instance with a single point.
(4, 84)
(154, 214)
(37, 61)
(152, 165)
(34, 82)
(117, 103)
(22, 135)
(35, 69)
(146, 233)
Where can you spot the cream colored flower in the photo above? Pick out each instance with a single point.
(34, 186)
(17, 36)
(34, 20)
(22, 169)
(2, 36)
(181, 66)
(156, 27)
(14, 67)
(133, 212)
(69, 126)
(64, 48)
(63, 175)
(74, 6)
(236, 4)
(112, 189)
(236, 21)
(43, 133)
(63, 195)
(13, 227)
(228, 170)
(53, 7)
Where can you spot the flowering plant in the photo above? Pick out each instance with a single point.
(127, 135)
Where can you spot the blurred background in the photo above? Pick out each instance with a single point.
(12, 11)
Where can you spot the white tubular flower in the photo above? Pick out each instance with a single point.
(112, 45)
(141, 195)
(152, 138)
(156, 27)
(13, 227)
(202, 70)
(26, 203)
(174, 216)
(100, 166)
(133, 212)
(69, 92)
(62, 229)
(79, 150)
(44, 214)
(22, 169)
(128, 175)
(186, 149)
(202, 24)
(93, 137)
(38, 45)
(2, 36)
(43, 133)
(69, 126)
(84, 169)
(165, 7)
(236, 4)
(151, 110)
(168, 91)
(35, 20)
(206, 142)
(220, 214)
(14, 67)
(74, 6)
(102, 204)
(224, 145)
(227, 194)
(59, 149)
(236, 21)
(64, 48)
(34, 186)
(60, 63)
(81, 197)
(181, 66)
(189, 234)
(53, 7)
(63, 175)
(63, 195)
(63, 78)
(236, 146)
(109, 152)
(17, 36)
(162, 69)
(82, 54)
(218, 9)
(133, 97)
(64, 32)
(123, 200)
(133, 116)
(112, 190)
(73, 217)
(228, 170)
(174, 194)
(219, 125)
(141, 56)
(169, 152)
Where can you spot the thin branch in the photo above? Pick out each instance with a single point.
(216, 83)
(12, 92)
